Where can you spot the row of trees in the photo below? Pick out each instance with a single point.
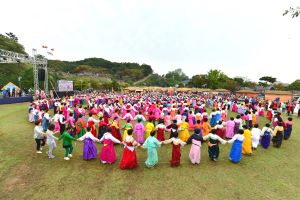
(215, 79)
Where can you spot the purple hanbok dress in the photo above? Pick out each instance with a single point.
(89, 149)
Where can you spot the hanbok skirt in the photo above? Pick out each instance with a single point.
(235, 155)
(128, 160)
(152, 159)
(213, 152)
(287, 132)
(175, 156)
(108, 154)
(265, 141)
(195, 152)
(89, 149)
(277, 140)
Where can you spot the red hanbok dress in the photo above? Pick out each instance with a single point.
(128, 160)
(161, 132)
(177, 143)
(93, 128)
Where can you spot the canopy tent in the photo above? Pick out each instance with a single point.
(10, 86)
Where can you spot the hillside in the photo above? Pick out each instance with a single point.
(96, 73)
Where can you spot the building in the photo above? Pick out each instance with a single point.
(282, 95)
(248, 93)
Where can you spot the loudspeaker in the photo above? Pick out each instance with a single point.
(41, 75)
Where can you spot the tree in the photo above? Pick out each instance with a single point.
(175, 77)
(279, 86)
(295, 85)
(198, 81)
(294, 12)
(231, 85)
(216, 79)
(12, 36)
(266, 81)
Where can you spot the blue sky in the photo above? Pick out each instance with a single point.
(241, 38)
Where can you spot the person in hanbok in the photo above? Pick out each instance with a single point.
(89, 148)
(206, 128)
(191, 119)
(129, 160)
(30, 113)
(223, 114)
(195, 152)
(167, 119)
(71, 123)
(173, 128)
(46, 121)
(92, 123)
(115, 129)
(212, 117)
(247, 144)
(177, 144)
(220, 129)
(235, 155)
(149, 128)
(278, 135)
(256, 133)
(230, 128)
(126, 127)
(140, 116)
(288, 129)
(160, 128)
(139, 130)
(51, 141)
(108, 154)
(218, 115)
(80, 126)
(213, 144)
(184, 130)
(237, 124)
(102, 128)
(151, 144)
(266, 136)
(178, 117)
(62, 122)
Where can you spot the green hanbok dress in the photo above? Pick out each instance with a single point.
(151, 144)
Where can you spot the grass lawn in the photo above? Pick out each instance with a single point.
(267, 174)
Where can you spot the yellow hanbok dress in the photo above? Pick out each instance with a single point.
(247, 144)
(184, 133)
(149, 128)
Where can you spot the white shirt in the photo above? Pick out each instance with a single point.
(88, 135)
(237, 137)
(256, 133)
(108, 136)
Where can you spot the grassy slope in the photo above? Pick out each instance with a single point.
(268, 174)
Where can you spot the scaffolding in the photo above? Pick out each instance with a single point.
(36, 61)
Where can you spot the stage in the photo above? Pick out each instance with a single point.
(10, 100)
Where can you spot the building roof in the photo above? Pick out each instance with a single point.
(278, 92)
(247, 91)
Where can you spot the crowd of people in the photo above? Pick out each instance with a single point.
(145, 120)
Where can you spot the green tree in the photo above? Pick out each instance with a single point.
(295, 85)
(266, 81)
(216, 79)
(198, 81)
(10, 43)
(175, 77)
(232, 85)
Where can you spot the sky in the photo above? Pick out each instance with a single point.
(241, 38)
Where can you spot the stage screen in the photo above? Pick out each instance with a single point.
(65, 86)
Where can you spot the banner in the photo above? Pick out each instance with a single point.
(65, 86)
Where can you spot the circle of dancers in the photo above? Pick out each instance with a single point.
(96, 117)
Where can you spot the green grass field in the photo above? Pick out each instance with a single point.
(267, 174)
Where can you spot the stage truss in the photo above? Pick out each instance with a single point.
(37, 63)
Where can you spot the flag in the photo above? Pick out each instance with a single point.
(50, 53)
(44, 46)
(52, 49)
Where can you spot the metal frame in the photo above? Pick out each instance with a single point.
(37, 63)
